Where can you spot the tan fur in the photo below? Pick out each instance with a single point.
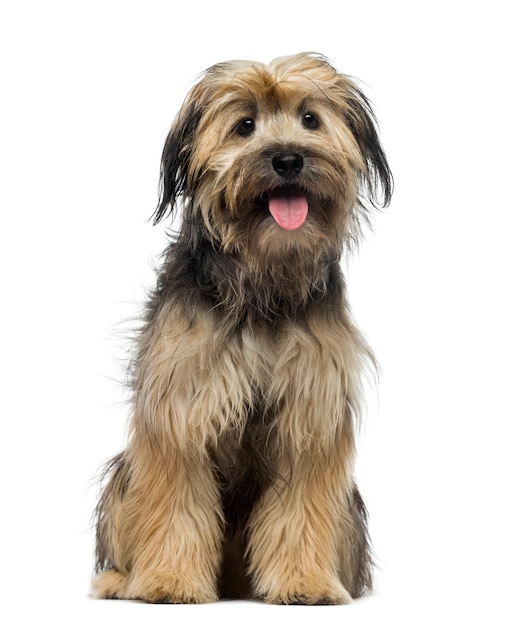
(274, 361)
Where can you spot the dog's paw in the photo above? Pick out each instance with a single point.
(171, 589)
(154, 589)
(177, 596)
(311, 590)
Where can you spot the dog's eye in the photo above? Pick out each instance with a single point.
(245, 127)
(310, 121)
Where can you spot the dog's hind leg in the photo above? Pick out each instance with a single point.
(356, 560)
(109, 584)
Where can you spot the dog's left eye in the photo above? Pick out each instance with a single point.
(245, 127)
(310, 121)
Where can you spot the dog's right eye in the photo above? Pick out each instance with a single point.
(245, 127)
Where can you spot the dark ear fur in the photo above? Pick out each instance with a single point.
(176, 157)
(378, 179)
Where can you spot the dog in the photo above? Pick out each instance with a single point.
(237, 480)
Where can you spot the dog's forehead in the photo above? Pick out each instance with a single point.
(283, 82)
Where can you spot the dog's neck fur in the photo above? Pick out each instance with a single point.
(245, 292)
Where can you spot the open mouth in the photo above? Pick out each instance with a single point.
(288, 206)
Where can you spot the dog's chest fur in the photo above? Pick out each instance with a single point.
(279, 361)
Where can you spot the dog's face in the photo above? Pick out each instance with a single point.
(272, 158)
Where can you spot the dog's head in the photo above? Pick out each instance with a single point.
(275, 156)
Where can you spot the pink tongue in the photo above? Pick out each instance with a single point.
(288, 208)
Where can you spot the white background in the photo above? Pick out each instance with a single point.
(88, 93)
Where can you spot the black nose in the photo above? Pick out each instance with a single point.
(288, 165)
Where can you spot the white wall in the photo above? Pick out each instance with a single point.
(89, 91)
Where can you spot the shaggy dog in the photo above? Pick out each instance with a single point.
(237, 480)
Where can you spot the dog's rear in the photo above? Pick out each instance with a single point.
(238, 475)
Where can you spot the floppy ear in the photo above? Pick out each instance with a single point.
(377, 177)
(176, 157)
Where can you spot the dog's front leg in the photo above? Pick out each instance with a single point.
(294, 532)
(163, 531)
(178, 548)
(160, 519)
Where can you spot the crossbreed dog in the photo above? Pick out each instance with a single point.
(238, 476)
